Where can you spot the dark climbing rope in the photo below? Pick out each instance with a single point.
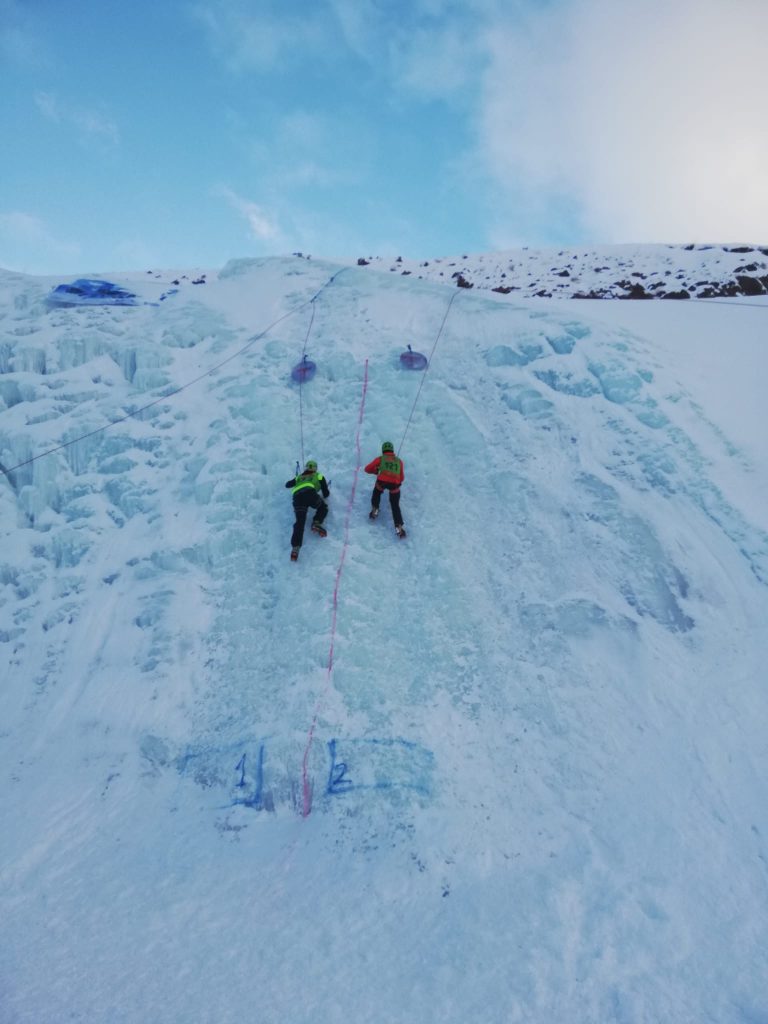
(301, 382)
(320, 291)
(423, 376)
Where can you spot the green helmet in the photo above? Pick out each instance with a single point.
(311, 466)
(387, 447)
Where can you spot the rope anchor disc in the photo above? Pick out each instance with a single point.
(411, 360)
(303, 371)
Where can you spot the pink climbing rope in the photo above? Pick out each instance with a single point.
(305, 782)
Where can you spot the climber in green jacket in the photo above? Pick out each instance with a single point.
(306, 489)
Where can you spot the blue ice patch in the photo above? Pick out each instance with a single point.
(88, 291)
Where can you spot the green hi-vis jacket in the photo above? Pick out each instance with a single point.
(314, 480)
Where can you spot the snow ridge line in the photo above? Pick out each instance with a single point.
(305, 782)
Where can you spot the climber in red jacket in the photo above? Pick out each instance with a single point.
(389, 470)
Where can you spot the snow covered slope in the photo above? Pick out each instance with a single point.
(510, 769)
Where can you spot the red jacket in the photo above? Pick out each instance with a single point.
(387, 476)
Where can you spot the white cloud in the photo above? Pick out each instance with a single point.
(422, 47)
(249, 39)
(361, 24)
(427, 48)
(308, 149)
(436, 62)
(27, 240)
(636, 122)
(262, 224)
(652, 117)
(303, 150)
(86, 121)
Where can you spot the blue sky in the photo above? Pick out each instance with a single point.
(182, 133)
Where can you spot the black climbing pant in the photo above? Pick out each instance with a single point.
(303, 501)
(394, 499)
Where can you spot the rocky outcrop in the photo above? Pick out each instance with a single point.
(603, 272)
